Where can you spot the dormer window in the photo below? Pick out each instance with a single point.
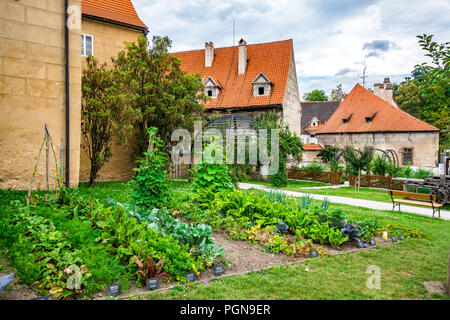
(261, 85)
(346, 120)
(315, 122)
(369, 119)
(211, 88)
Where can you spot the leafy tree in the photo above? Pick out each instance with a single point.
(328, 155)
(315, 95)
(105, 114)
(433, 81)
(358, 160)
(150, 189)
(338, 93)
(408, 97)
(164, 95)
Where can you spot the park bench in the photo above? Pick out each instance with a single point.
(421, 199)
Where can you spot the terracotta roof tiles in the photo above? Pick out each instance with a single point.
(115, 10)
(272, 59)
(312, 147)
(360, 104)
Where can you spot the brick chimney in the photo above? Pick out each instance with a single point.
(242, 62)
(385, 91)
(209, 54)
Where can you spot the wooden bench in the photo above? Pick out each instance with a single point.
(420, 199)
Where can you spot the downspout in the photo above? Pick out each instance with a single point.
(67, 89)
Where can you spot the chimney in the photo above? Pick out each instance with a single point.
(242, 62)
(385, 91)
(209, 54)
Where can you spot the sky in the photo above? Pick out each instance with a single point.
(333, 40)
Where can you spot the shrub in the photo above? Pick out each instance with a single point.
(211, 175)
(150, 188)
(314, 167)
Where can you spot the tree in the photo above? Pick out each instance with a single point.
(433, 81)
(315, 95)
(338, 93)
(164, 95)
(358, 160)
(329, 156)
(105, 115)
(408, 97)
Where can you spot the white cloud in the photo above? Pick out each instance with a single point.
(328, 35)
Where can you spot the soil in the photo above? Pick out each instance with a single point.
(15, 291)
(242, 258)
(435, 287)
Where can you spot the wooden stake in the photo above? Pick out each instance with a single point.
(47, 150)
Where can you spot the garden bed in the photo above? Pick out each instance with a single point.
(244, 258)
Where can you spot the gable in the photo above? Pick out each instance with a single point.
(271, 59)
(261, 78)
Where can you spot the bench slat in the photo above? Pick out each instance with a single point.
(412, 195)
(420, 203)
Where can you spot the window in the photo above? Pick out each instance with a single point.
(407, 156)
(346, 120)
(261, 85)
(210, 93)
(369, 119)
(87, 45)
(261, 91)
(315, 122)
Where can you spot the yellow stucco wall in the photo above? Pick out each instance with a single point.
(32, 88)
(108, 41)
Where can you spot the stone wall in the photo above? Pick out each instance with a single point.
(425, 144)
(109, 39)
(291, 104)
(32, 88)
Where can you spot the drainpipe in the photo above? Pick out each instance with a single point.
(67, 88)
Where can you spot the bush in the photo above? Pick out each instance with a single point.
(211, 175)
(150, 188)
(314, 167)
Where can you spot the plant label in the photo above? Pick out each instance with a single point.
(191, 276)
(372, 242)
(152, 284)
(114, 289)
(219, 270)
(394, 239)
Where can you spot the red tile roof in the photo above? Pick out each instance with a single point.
(312, 147)
(115, 10)
(360, 104)
(272, 59)
(315, 128)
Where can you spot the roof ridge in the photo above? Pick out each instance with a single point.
(227, 47)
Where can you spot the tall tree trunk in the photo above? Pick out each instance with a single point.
(359, 180)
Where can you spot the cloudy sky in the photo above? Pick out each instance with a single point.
(332, 39)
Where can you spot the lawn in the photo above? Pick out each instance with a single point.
(294, 185)
(404, 266)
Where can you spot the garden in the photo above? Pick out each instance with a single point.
(75, 244)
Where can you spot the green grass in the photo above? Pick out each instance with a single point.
(294, 185)
(404, 265)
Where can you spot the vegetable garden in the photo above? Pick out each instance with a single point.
(158, 233)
